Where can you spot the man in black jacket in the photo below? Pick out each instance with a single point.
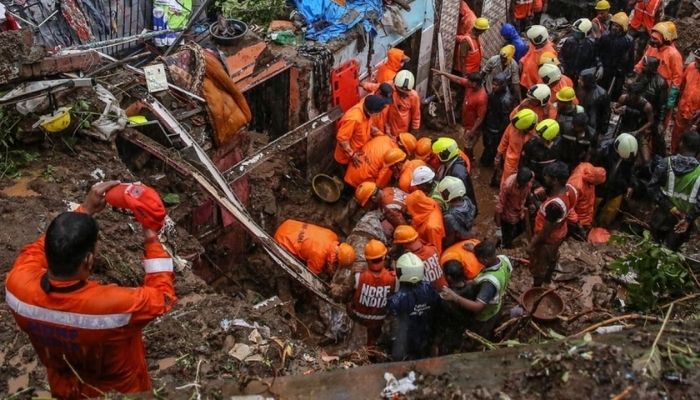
(595, 102)
(656, 93)
(500, 105)
(616, 52)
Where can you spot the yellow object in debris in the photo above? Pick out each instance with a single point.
(56, 122)
(137, 119)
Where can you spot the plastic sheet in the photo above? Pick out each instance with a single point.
(327, 20)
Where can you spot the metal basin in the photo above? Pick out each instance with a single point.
(549, 307)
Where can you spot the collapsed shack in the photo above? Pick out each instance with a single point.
(229, 332)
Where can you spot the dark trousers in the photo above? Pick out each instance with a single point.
(491, 140)
(511, 231)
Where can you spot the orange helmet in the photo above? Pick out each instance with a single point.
(346, 255)
(374, 249)
(548, 57)
(364, 192)
(404, 234)
(393, 156)
(408, 142)
(424, 148)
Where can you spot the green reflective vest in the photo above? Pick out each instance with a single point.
(498, 276)
(682, 191)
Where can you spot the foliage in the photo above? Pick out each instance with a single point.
(8, 133)
(260, 12)
(661, 274)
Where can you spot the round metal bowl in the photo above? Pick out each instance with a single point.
(327, 188)
(550, 306)
(240, 27)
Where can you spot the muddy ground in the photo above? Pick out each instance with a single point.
(216, 337)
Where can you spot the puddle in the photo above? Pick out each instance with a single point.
(166, 363)
(20, 188)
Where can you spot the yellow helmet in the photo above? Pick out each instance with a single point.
(549, 57)
(524, 119)
(364, 192)
(548, 129)
(481, 24)
(507, 51)
(671, 29)
(663, 29)
(446, 148)
(567, 93)
(602, 5)
(55, 122)
(621, 19)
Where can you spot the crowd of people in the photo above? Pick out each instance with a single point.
(572, 130)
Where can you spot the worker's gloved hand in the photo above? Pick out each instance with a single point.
(95, 200)
(672, 97)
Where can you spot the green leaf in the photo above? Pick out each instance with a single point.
(649, 363)
(171, 199)
(555, 335)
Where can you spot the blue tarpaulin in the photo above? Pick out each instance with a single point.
(327, 20)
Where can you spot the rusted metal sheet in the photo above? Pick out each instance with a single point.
(284, 142)
(242, 67)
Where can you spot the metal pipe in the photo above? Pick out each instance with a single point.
(122, 40)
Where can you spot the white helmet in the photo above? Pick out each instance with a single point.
(626, 146)
(409, 268)
(422, 175)
(451, 188)
(537, 34)
(404, 80)
(540, 92)
(549, 73)
(582, 25)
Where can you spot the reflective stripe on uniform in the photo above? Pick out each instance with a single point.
(367, 316)
(71, 319)
(670, 189)
(153, 265)
(561, 204)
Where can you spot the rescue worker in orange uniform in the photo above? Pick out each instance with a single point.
(550, 223)
(88, 335)
(403, 112)
(316, 246)
(464, 28)
(395, 61)
(689, 105)
(551, 76)
(539, 43)
(670, 60)
(385, 91)
(643, 18)
(511, 208)
(426, 218)
(390, 200)
(520, 130)
(354, 129)
(463, 254)
(538, 99)
(472, 46)
(522, 13)
(473, 107)
(601, 22)
(584, 179)
(370, 166)
(373, 287)
(406, 240)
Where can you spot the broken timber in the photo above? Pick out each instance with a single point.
(282, 143)
(288, 263)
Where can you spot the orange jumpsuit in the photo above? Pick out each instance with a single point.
(564, 202)
(426, 218)
(371, 166)
(670, 63)
(91, 327)
(644, 14)
(393, 205)
(315, 245)
(584, 179)
(522, 9)
(387, 71)
(472, 58)
(407, 174)
(402, 115)
(530, 64)
(354, 127)
(464, 27)
(377, 120)
(457, 252)
(689, 103)
(558, 85)
(368, 305)
(510, 148)
(431, 264)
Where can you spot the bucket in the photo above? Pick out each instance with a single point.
(327, 188)
(549, 307)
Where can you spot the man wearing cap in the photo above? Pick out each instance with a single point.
(354, 129)
(500, 104)
(316, 246)
(473, 52)
(503, 63)
(89, 335)
(384, 90)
